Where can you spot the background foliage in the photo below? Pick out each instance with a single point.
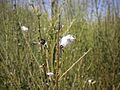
(94, 23)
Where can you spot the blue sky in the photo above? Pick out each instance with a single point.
(48, 4)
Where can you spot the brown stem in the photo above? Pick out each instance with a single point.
(57, 55)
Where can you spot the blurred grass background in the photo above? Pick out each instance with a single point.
(94, 23)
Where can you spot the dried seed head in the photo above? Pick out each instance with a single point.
(42, 41)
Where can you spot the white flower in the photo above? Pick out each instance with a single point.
(34, 43)
(24, 28)
(66, 40)
(91, 81)
(61, 26)
(50, 74)
(11, 73)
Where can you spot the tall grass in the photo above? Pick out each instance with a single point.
(24, 65)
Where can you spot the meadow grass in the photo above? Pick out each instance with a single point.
(24, 66)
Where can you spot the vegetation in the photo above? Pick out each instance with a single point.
(92, 62)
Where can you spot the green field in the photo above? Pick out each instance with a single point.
(91, 62)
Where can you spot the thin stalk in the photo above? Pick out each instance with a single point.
(57, 55)
(47, 60)
(31, 50)
(39, 26)
(69, 27)
(74, 64)
(43, 3)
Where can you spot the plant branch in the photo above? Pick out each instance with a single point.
(74, 64)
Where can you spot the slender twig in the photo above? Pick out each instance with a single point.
(43, 3)
(57, 54)
(74, 64)
(39, 26)
(68, 29)
(31, 50)
(47, 60)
